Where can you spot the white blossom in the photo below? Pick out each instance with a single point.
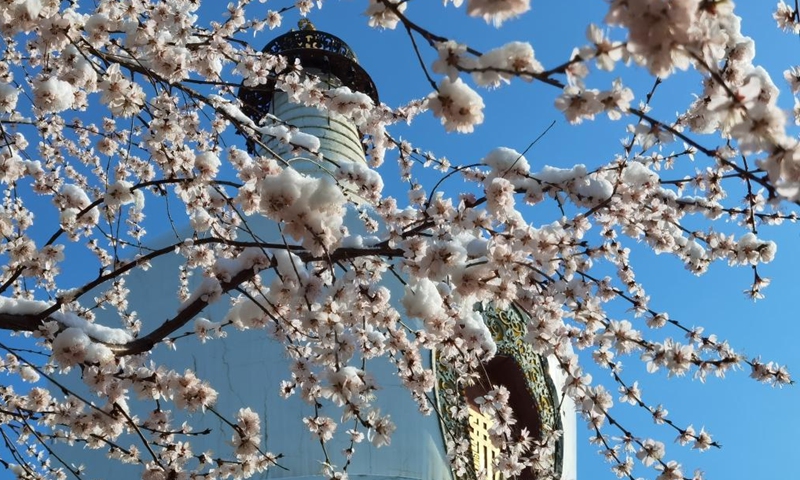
(53, 95)
(497, 11)
(458, 106)
(8, 97)
(159, 243)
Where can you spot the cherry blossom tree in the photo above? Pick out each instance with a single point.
(121, 122)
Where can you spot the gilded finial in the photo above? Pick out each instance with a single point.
(305, 24)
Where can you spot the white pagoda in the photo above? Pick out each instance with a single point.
(247, 367)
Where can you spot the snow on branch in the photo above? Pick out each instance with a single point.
(142, 150)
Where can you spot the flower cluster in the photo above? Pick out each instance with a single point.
(119, 165)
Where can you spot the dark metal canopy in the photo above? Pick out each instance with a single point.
(314, 49)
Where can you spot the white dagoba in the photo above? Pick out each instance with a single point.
(247, 367)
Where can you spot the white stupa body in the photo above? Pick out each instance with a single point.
(247, 367)
(340, 140)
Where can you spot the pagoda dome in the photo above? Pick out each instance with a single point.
(332, 64)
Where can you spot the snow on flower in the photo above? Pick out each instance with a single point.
(70, 347)
(500, 198)
(209, 291)
(476, 333)
(274, 127)
(205, 329)
(458, 106)
(312, 209)
(52, 95)
(505, 161)
(346, 385)
(497, 12)
(422, 299)
(251, 258)
(11, 167)
(750, 250)
(8, 97)
(366, 181)
(120, 193)
(28, 374)
(514, 59)
(355, 105)
(73, 201)
(207, 164)
(320, 287)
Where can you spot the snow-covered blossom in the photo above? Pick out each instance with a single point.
(29, 374)
(139, 236)
(458, 106)
(500, 197)
(423, 300)
(207, 164)
(497, 11)
(8, 97)
(205, 329)
(70, 346)
(119, 193)
(311, 208)
(52, 95)
(515, 59)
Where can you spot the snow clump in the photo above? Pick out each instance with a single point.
(312, 209)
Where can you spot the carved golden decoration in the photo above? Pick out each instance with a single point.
(509, 328)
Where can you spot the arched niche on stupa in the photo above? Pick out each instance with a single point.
(532, 397)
